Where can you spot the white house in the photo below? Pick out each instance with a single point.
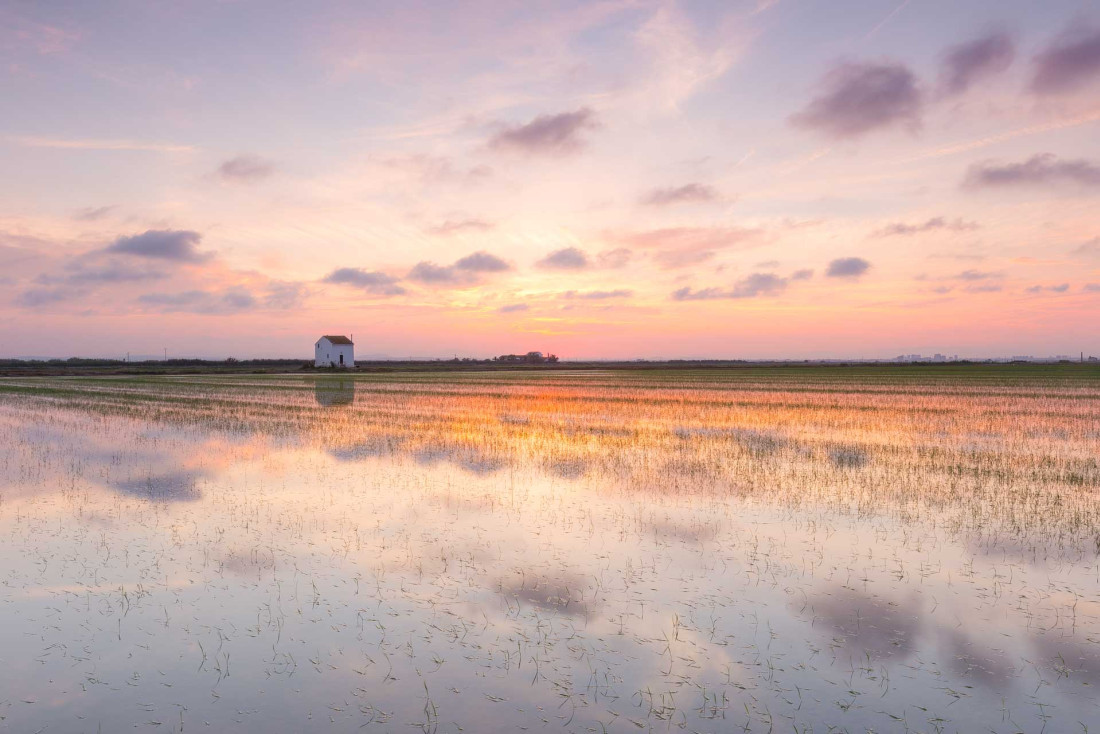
(334, 351)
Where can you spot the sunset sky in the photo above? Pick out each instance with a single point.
(617, 179)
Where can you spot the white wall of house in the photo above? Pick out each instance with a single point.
(326, 353)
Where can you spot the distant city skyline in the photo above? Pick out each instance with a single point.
(757, 179)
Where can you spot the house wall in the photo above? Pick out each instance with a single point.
(326, 353)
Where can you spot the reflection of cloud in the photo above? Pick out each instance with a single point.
(1078, 659)
(179, 486)
(984, 664)
(868, 624)
(468, 459)
(331, 393)
(562, 593)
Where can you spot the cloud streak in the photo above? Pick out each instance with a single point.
(1041, 169)
(375, 282)
(692, 193)
(246, 169)
(903, 229)
(559, 134)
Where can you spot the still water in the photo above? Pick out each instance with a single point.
(590, 552)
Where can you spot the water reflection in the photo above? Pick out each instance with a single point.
(331, 393)
(504, 556)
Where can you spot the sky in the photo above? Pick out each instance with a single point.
(754, 179)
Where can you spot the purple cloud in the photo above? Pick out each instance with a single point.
(375, 282)
(245, 169)
(903, 229)
(804, 274)
(847, 267)
(1092, 247)
(686, 194)
(1091, 288)
(1060, 288)
(162, 244)
(861, 97)
(975, 60)
(482, 262)
(1044, 168)
(450, 226)
(972, 275)
(464, 271)
(547, 134)
(513, 308)
(567, 258)
(112, 272)
(431, 273)
(753, 286)
(231, 300)
(1069, 63)
(616, 258)
(93, 214)
(597, 295)
(37, 297)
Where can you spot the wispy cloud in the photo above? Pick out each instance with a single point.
(458, 226)
(753, 286)
(692, 193)
(596, 295)
(547, 134)
(93, 214)
(935, 223)
(1044, 168)
(373, 281)
(32, 141)
(1060, 288)
(246, 169)
(514, 308)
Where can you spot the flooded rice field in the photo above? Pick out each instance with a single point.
(745, 550)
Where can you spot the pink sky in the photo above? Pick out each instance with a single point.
(619, 179)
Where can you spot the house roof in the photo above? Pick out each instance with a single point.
(338, 339)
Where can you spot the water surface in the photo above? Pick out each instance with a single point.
(715, 551)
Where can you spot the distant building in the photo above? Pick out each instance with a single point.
(529, 358)
(334, 351)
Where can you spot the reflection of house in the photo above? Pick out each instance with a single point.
(334, 392)
(334, 351)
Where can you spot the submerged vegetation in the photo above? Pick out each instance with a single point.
(759, 549)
